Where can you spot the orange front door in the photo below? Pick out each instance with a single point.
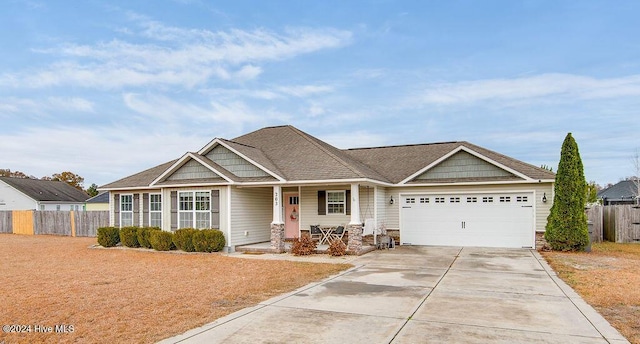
(291, 215)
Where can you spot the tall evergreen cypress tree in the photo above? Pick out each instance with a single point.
(567, 223)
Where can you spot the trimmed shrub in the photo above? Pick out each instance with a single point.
(183, 239)
(337, 248)
(161, 240)
(208, 240)
(129, 236)
(303, 246)
(144, 234)
(108, 236)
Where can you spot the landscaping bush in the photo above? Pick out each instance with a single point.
(208, 240)
(303, 246)
(161, 240)
(108, 236)
(129, 236)
(337, 248)
(566, 228)
(183, 239)
(143, 236)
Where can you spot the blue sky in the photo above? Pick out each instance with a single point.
(106, 89)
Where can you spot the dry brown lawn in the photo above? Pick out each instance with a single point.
(130, 296)
(608, 278)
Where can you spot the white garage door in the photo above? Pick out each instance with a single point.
(489, 220)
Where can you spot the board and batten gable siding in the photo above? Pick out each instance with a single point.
(541, 209)
(193, 170)
(251, 212)
(233, 163)
(463, 165)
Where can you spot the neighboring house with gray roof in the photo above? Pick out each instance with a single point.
(99, 202)
(624, 192)
(37, 194)
(276, 182)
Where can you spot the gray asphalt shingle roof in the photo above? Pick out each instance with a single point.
(46, 190)
(625, 189)
(297, 156)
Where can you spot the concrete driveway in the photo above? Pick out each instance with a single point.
(422, 295)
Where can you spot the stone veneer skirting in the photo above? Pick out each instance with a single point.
(277, 237)
(354, 244)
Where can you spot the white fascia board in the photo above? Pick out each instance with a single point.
(470, 151)
(274, 175)
(181, 162)
(315, 182)
(480, 183)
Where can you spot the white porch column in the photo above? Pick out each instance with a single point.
(355, 205)
(277, 206)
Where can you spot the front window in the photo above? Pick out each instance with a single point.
(155, 210)
(336, 202)
(195, 209)
(126, 210)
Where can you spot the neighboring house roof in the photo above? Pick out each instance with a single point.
(289, 154)
(46, 190)
(625, 189)
(102, 197)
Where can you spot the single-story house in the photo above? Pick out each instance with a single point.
(624, 192)
(37, 194)
(99, 202)
(274, 183)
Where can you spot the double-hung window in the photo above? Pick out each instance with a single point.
(155, 210)
(126, 210)
(194, 209)
(336, 202)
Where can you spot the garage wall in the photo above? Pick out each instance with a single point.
(542, 209)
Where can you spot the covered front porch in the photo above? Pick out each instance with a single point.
(296, 209)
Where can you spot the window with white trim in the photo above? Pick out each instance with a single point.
(336, 202)
(522, 199)
(155, 210)
(505, 199)
(439, 199)
(472, 199)
(194, 209)
(424, 199)
(410, 200)
(454, 200)
(126, 210)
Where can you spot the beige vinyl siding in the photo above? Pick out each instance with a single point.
(382, 204)
(251, 211)
(309, 208)
(367, 203)
(542, 209)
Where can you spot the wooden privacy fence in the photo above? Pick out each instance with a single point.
(619, 223)
(69, 223)
(594, 214)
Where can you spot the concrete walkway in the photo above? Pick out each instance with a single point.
(422, 295)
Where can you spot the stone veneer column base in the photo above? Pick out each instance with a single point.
(277, 237)
(354, 245)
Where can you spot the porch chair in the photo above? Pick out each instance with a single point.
(337, 234)
(315, 232)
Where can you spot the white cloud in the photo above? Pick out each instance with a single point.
(304, 90)
(172, 56)
(532, 87)
(31, 106)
